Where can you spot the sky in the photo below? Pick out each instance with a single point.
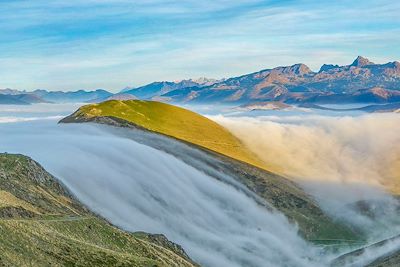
(112, 44)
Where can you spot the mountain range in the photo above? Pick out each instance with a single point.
(20, 99)
(77, 96)
(157, 89)
(152, 90)
(360, 82)
(16, 97)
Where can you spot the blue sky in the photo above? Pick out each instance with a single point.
(111, 44)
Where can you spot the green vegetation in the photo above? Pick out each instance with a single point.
(41, 224)
(172, 121)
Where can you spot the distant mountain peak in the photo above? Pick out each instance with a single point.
(361, 62)
(301, 69)
(296, 69)
(327, 67)
(201, 81)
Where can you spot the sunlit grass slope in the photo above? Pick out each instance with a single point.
(42, 225)
(173, 121)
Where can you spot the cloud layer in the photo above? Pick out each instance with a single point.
(339, 160)
(346, 149)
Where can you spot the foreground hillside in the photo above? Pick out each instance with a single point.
(42, 225)
(216, 151)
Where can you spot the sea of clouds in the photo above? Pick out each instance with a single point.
(139, 188)
(338, 160)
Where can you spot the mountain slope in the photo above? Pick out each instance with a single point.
(20, 99)
(30, 98)
(118, 96)
(9, 91)
(10, 96)
(41, 224)
(214, 141)
(156, 89)
(80, 96)
(11, 100)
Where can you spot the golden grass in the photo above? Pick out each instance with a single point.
(176, 122)
(9, 200)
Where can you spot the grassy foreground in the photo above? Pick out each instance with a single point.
(172, 121)
(42, 225)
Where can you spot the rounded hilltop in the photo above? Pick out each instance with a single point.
(169, 120)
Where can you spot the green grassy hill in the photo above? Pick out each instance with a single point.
(172, 121)
(42, 225)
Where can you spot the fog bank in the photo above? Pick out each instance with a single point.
(345, 162)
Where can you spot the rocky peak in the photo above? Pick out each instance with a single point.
(395, 65)
(200, 81)
(361, 62)
(204, 80)
(296, 69)
(327, 67)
